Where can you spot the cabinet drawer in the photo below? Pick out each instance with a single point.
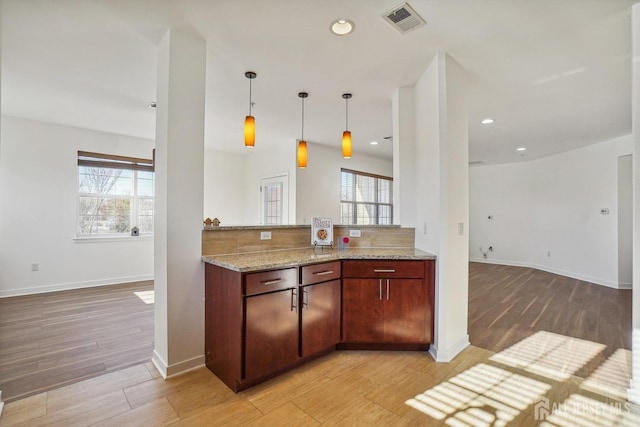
(384, 269)
(317, 273)
(269, 281)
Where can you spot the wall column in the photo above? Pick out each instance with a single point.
(634, 389)
(404, 171)
(179, 273)
(442, 196)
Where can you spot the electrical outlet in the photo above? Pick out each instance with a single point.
(265, 235)
(35, 267)
(460, 229)
(355, 233)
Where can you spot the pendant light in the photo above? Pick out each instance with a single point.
(302, 144)
(250, 121)
(346, 135)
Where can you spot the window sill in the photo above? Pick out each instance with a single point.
(94, 239)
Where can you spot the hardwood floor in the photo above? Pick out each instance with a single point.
(554, 346)
(507, 304)
(344, 388)
(49, 340)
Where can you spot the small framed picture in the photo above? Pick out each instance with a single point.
(322, 231)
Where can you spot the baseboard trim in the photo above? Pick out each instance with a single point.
(578, 276)
(74, 285)
(449, 354)
(168, 371)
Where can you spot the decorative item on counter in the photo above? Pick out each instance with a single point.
(322, 233)
(135, 231)
(208, 223)
(343, 244)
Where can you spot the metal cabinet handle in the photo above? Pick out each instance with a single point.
(305, 299)
(323, 273)
(271, 282)
(387, 289)
(294, 305)
(380, 289)
(383, 271)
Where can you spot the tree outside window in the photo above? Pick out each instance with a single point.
(112, 199)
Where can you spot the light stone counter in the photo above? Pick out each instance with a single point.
(268, 260)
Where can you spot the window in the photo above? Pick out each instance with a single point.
(365, 198)
(115, 194)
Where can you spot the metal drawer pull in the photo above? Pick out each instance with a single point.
(323, 273)
(384, 271)
(271, 282)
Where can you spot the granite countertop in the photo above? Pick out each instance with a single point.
(267, 260)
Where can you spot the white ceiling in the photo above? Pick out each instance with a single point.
(554, 74)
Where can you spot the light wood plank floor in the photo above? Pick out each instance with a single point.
(49, 340)
(345, 388)
(500, 386)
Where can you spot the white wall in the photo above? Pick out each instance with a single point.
(318, 186)
(551, 206)
(38, 202)
(224, 176)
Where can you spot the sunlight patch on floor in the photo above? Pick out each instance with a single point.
(148, 297)
(551, 355)
(483, 395)
(612, 377)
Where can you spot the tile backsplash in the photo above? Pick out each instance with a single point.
(232, 240)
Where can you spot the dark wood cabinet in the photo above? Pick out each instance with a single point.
(320, 308)
(387, 303)
(271, 332)
(260, 324)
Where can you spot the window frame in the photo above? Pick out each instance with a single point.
(376, 204)
(109, 161)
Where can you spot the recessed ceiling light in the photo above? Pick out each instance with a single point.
(521, 149)
(487, 121)
(342, 27)
(374, 143)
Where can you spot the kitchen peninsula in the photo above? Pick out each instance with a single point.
(269, 308)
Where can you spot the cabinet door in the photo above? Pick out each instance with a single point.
(405, 310)
(271, 332)
(320, 317)
(362, 310)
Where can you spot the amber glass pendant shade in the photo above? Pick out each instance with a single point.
(346, 135)
(302, 154)
(250, 121)
(302, 144)
(250, 132)
(346, 144)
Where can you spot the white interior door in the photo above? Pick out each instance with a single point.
(274, 200)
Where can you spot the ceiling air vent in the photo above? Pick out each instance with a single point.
(403, 18)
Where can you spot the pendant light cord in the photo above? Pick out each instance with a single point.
(250, 96)
(302, 119)
(346, 126)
